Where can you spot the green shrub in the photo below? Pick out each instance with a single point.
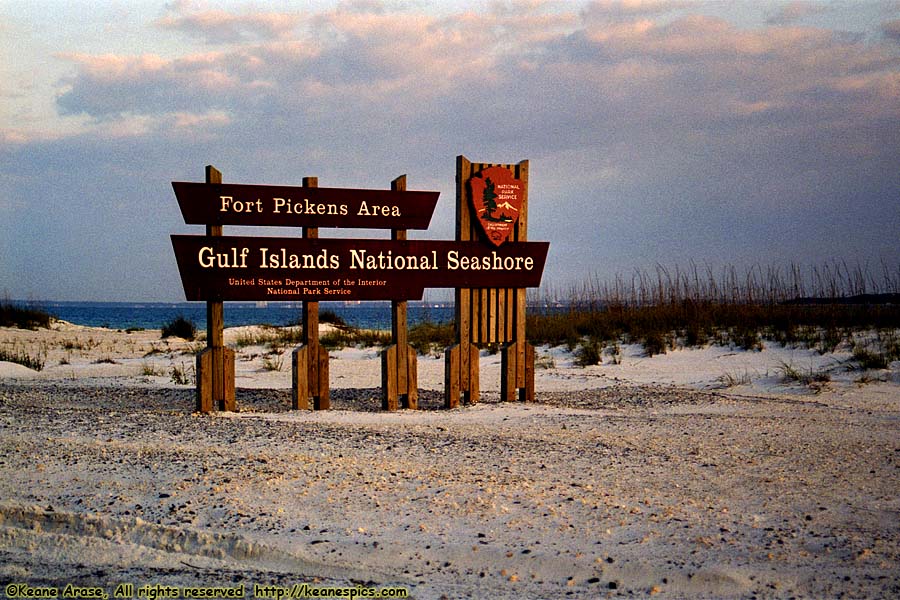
(180, 327)
(329, 316)
(869, 359)
(588, 353)
(181, 375)
(791, 373)
(341, 338)
(273, 362)
(654, 343)
(748, 338)
(428, 337)
(12, 315)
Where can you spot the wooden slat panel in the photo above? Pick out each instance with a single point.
(473, 393)
(492, 305)
(509, 314)
(411, 401)
(500, 310)
(451, 376)
(507, 373)
(490, 315)
(527, 394)
(389, 378)
(230, 403)
(300, 378)
(204, 382)
(483, 315)
(463, 309)
(322, 400)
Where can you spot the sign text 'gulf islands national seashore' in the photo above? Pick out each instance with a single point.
(280, 268)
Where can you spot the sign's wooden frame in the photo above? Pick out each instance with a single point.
(488, 315)
(483, 315)
(215, 366)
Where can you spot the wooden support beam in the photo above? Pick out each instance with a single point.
(399, 382)
(309, 362)
(461, 360)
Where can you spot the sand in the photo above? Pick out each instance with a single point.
(653, 477)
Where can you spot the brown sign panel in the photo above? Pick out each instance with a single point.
(239, 204)
(496, 198)
(269, 268)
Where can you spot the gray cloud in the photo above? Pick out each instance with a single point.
(794, 11)
(891, 30)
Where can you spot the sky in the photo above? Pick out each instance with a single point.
(714, 133)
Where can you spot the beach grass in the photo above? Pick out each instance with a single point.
(820, 307)
(22, 358)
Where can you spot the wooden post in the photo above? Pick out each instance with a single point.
(517, 357)
(215, 365)
(309, 362)
(461, 366)
(399, 375)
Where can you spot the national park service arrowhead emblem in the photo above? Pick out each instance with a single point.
(496, 199)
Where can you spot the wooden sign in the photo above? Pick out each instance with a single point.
(497, 201)
(269, 268)
(271, 205)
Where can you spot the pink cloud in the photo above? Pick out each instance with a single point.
(218, 26)
(547, 67)
(614, 10)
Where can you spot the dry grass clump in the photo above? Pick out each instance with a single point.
(35, 363)
(350, 336)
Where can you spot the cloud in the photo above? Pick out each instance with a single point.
(108, 86)
(545, 82)
(506, 72)
(619, 10)
(891, 30)
(794, 11)
(661, 126)
(221, 27)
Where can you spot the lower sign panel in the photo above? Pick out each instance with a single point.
(263, 268)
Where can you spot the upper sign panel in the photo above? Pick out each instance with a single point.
(283, 206)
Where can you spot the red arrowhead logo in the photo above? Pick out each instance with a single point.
(496, 199)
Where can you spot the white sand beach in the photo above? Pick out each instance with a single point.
(700, 473)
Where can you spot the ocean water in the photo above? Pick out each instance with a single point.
(152, 315)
